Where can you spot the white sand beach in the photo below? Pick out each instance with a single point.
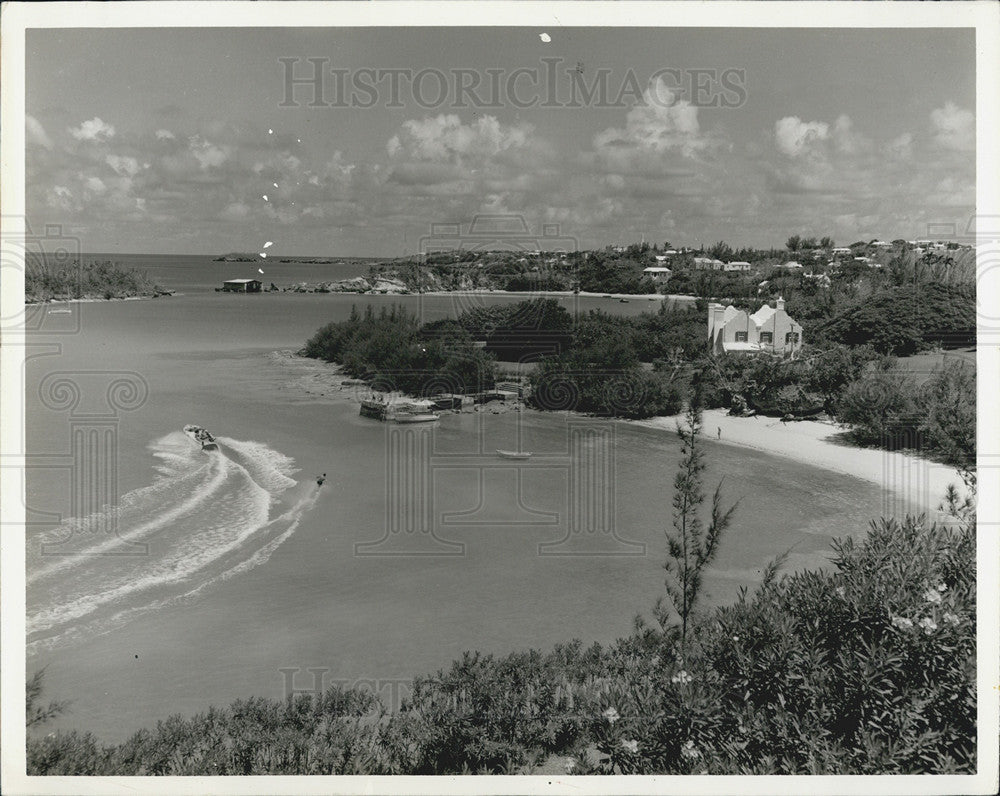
(583, 293)
(911, 483)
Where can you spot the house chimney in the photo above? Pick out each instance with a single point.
(780, 303)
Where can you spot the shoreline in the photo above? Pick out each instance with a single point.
(582, 293)
(914, 482)
(911, 483)
(96, 300)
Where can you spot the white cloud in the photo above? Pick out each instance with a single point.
(95, 184)
(794, 136)
(660, 123)
(123, 165)
(954, 127)
(443, 138)
(36, 133)
(93, 130)
(165, 135)
(208, 155)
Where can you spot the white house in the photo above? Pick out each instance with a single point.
(657, 273)
(769, 330)
(708, 264)
(737, 265)
(841, 250)
(792, 264)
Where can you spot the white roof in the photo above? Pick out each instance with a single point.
(656, 269)
(228, 281)
(762, 315)
(791, 264)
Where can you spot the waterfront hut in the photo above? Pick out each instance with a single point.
(241, 286)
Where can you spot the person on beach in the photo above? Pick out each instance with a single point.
(320, 480)
(719, 430)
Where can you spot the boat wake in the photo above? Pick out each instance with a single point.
(207, 516)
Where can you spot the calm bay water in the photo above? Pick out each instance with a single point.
(250, 571)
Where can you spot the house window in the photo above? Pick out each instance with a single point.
(741, 337)
(791, 337)
(767, 337)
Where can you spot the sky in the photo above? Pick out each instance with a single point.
(186, 140)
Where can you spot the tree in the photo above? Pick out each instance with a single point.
(793, 243)
(35, 712)
(947, 403)
(826, 243)
(691, 547)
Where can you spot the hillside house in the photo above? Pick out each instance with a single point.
(737, 265)
(707, 264)
(769, 330)
(657, 273)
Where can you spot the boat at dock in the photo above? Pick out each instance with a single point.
(518, 455)
(202, 437)
(399, 410)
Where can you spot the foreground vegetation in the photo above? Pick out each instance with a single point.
(92, 280)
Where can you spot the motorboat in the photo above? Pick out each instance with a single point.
(202, 437)
(518, 455)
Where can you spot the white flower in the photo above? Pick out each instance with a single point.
(841, 591)
(681, 677)
(928, 624)
(932, 596)
(688, 750)
(736, 638)
(902, 622)
(630, 746)
(951, 619)
(611, 715)
(942, 587)
(569, 764)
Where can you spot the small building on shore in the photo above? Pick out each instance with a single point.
(241, 286)
(770, 330)
(657, 273)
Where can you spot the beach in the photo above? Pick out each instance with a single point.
(911, 483)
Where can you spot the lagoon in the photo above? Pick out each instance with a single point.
(252, 575)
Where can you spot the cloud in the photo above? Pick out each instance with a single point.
(794, 136)
(93, 130)
(207, 154)
(95, 184)
(660, 123)
(954, 128)
(123, 165)
(36, 133)
(444, 138)
(164, 135)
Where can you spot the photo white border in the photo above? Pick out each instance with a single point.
(983, 15)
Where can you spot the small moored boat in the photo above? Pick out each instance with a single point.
(520, 455)
(202, 437)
